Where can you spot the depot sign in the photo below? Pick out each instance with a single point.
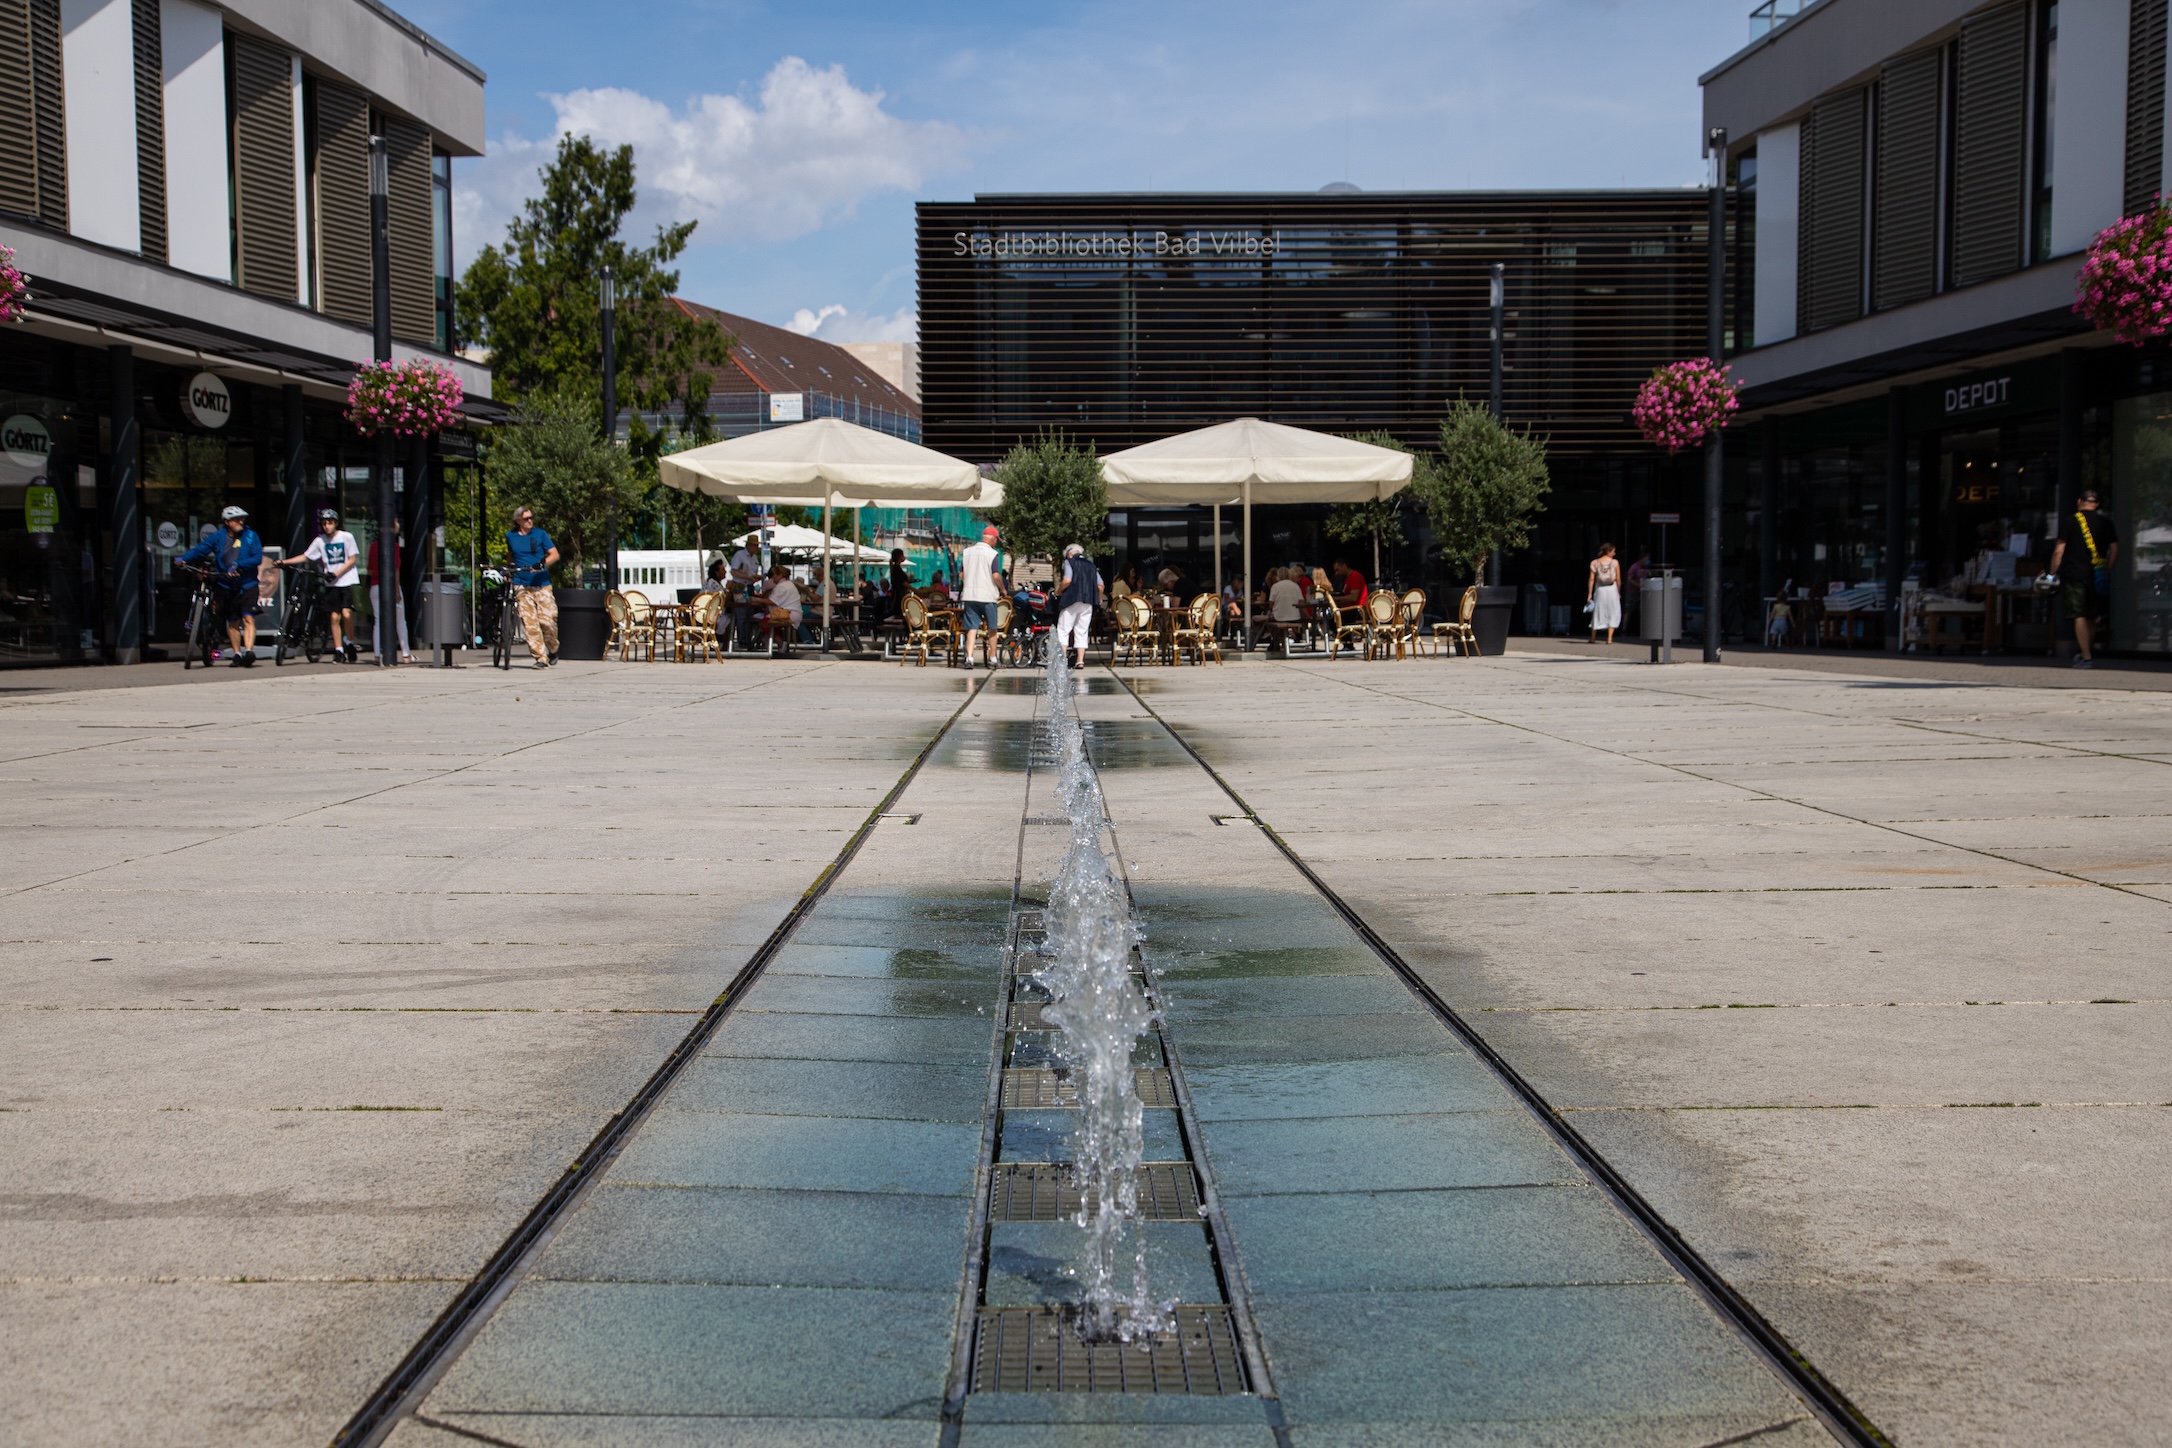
(1114, 245)
(206, 402)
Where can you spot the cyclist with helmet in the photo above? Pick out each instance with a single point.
(233, 556)
(335, 551)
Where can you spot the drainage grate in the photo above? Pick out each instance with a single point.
(1038, 1350)
(1041, 1191)
(1048, 819)
(1040, 1090)
(1026, 1016)
(1031, 920)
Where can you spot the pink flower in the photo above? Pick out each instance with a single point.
(14, 287)
(2125, 283)
(1682, 402)
(407, 399)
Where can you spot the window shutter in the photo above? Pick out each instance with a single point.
(18, 115)
(264, 168)
(1989, 150)
(413, 270)
(2145, 104)
(150, 127)
(1904, 216)
(342, 181)
(50, 113)
(1831, 248)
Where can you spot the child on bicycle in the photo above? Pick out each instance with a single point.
(233, 557)
(335, 551)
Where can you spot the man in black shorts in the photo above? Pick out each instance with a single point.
(2088, 546)
(232, 556)
(335, 551)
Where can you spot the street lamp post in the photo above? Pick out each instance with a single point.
(607, 294)
(1715, 451)
(388, 567)
(1497, 302)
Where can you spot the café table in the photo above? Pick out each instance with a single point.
(669, 616)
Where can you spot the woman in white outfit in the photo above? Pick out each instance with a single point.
(1602, 593)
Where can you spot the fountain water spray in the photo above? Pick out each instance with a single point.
(1102, 1013)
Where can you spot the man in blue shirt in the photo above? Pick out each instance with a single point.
(533, 553)
(233, 556)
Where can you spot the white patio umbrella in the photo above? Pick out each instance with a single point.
(828, 461)
(1248, 461)
(791, 538)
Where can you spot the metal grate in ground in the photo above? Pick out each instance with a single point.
(1039, 1350)
(1029, 1090)
(1038, 1191)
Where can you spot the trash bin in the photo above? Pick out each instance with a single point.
(1659, 611)
(443, 623)
(583, 627)
(1489, 621)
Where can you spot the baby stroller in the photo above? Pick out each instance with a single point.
(1031, 618)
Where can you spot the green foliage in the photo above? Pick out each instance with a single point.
(553, 458)
(1379, 520)
(1483, 489)
(532, 302)
(1053, 496)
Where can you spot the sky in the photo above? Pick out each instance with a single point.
(798, 135)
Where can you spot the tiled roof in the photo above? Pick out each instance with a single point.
(776, 360)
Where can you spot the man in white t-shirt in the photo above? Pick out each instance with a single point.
(335, 551)
(981, 578)
(1283, 602)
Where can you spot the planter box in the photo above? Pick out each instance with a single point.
(583, 627)
(1489, 621)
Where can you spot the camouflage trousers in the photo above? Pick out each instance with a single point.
(538, 619)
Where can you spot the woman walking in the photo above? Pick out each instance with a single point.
(1602, 593)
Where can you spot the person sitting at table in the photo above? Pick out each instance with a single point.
(1285, 599)
(785, 609)
(1126, 584)
(939, 590)
(901, 582)
(1321, 586)
(1349, 585)
(1171, 583)
(716, 581)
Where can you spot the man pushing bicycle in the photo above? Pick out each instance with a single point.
(232, 558)
(336, 552)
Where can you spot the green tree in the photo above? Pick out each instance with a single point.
(531, 302)
(1380, 519)
(1483, 489)
(553, 458)
(1053, 496)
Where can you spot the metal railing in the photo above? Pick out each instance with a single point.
(1773, 14)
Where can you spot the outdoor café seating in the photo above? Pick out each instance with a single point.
(697, 630)
(1342, 626)
(1383, 624)
(1410, 625)
(1134, 629)
(922, 632)
(1457, 633)
(633, 625)
(1194, 634)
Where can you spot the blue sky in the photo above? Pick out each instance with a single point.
(799, 135)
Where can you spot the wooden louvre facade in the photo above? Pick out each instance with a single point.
(150, 127)
(339, 163)
(414, 294)
(1124, 318)
(2145, 105)
(33, 123)
(1904, 227)
(265, 226)
(1830, 282)
(1990, 144)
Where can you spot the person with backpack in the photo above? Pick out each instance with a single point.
(1081, 591)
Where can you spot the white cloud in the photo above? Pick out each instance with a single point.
(837, 323)
(804, 154)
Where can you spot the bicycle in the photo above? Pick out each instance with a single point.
(307, 626)
(206, 628)
(494, 615)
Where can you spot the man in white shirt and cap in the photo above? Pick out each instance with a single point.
(981, 588)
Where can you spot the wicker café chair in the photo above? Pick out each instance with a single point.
(1342, 625)
(1195, 636)
(1383, 624)
(919, 636)
(1457, 633)
(698, 631)
(1134, 629)
(1412, 623)
(633, 625)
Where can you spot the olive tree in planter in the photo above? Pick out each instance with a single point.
(1485, 486)
(1053, 496)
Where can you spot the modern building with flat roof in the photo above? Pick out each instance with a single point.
(1123, 318)
(1917, 182)
(187, 185)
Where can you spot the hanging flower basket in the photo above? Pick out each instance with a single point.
(1683, 402)
(14, 287)
(406, 399)
(2125, 286)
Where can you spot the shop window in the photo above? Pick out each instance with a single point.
(2140, 502)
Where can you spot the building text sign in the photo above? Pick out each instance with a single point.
(1976, 396)
(1107, 245)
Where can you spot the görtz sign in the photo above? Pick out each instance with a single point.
(206, 402)
(1114, 245)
